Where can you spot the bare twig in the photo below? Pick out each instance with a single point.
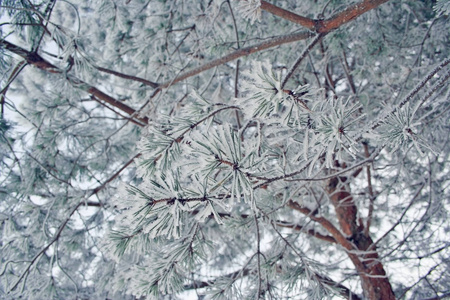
(258, 254)
(347, 73)
(305, 52)
(310, 232)
(129, 77)
(371, 193)
(15, 72)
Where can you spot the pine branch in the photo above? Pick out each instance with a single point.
(65, 222)
(343, 290)
(197, 284)
(273, 42)
(324, 26)
(311, 232)
(36, 60)
(180, 137)
(15, 72)
(412, 93)
(371, 193)
(288, 15)
(129, 77)
(347, 15)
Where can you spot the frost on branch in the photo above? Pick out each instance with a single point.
(250, 9)
(333, 127)
(265, 99)
(442, 7)
(240, 189)
(400, 130)
(319, 125)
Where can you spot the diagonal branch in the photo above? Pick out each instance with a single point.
(343, 290)
(301, 57)
(411, 94)
(15, 72)
(129, 77)
(276, 41)
(36, 60)
(336, 233)
(310, 232)
(347, 15)
(288, 15)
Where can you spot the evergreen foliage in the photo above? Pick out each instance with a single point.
(167, 149)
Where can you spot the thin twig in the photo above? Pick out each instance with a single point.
(347, 73)
(371, 193)
(15, 72)
(311, 232)
(305, 52)
(129, 77)
(258, 254)
(236, 76)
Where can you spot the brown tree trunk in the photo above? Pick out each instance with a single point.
(361, 249)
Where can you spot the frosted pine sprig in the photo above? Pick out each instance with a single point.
(250, 9)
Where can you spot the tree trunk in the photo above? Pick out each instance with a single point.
(362, 252)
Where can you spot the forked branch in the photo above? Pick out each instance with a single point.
(327, 25)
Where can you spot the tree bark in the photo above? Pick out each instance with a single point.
(364, 255)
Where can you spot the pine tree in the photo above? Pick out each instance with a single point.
(224, 149)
